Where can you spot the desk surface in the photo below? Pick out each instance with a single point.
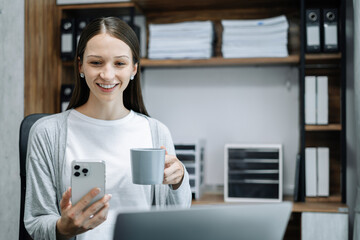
(332, 204)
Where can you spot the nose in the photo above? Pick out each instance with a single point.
(107, 73)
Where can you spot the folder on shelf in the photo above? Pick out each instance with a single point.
(322, 100)
(330, 30)
(65, 95)
(67, 50)
(80, 25)
(323, 171)
(312, 17)
(310, 100)
(310, 172)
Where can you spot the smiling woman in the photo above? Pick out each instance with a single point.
(107, 67)
(108, 51)
(106, 118)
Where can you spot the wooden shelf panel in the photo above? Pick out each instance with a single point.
(215, 61)
(218, 61)
(323, 56)
(330, 205)
(96, 5)
(166, 5)
(329, 127)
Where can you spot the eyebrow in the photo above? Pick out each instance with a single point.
(122, 56)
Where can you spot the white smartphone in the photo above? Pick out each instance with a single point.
(86, 175)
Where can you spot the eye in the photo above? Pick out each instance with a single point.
(119, 63)
(95, 63)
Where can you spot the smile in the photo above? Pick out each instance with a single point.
(107, 86)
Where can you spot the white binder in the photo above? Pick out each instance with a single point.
(323, 171)
(310, 172)
(310, 100)
(322, 100)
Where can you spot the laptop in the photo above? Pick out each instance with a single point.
(211, 222)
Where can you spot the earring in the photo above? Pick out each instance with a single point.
(132, 77)
(82, 75)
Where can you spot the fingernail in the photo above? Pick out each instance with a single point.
(110, 196)
(97, 190)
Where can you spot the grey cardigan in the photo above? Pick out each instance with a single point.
(45, 164)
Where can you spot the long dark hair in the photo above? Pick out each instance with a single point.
(117, 28)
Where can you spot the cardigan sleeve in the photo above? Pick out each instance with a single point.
(180, 197)
(41, 209)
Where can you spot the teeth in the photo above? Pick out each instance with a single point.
(107, 86)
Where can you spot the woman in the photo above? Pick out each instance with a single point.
(105, 118)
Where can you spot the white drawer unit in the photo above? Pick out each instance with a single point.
(253, 173)
(191, 154)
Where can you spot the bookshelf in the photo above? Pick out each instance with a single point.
(333, 134)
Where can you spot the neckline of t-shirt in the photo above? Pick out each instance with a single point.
(102, 122)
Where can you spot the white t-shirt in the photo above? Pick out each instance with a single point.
(111, 141)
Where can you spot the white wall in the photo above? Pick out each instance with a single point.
(11, 112)
(254, 104)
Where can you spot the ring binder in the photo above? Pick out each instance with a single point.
(80, 25)
(313, 30)
(67, 50)
(330, 29)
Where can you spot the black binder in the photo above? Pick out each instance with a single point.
(65, 95)
(330, 30)
(67, 51)
(313, 42)
(80, 25)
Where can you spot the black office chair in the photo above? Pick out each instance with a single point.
(25, 126)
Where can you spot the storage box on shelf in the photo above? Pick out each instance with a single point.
(191, 154)
(253, 173)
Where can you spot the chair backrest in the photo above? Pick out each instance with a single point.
(25, 126)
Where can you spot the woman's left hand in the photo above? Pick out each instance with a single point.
(174, 170)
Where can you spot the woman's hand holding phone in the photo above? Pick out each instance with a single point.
(80, 218)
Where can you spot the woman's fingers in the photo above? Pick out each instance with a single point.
(95, 220)
(174, 170)
(96, 207)
(85, 200)
(65, 200)
(76, 220)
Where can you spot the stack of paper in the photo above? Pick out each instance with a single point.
(255, 38)
(181, 40)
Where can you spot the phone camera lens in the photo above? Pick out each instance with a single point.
(76, 167)
(85, 170)
(76, 174)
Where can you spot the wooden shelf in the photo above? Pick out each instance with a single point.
(215, 61)
(329, 127)
(165, 5)
(96, 5)
(218, 61)
(313, 205)
(323, 56)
